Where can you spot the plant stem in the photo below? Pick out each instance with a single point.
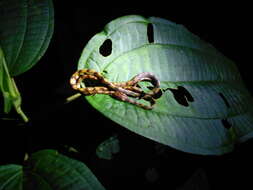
(9, 89)
(73, 97)
(17, 101)
(22, 114)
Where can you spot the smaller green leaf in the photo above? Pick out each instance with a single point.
(107, 148)
(25, 32)
(8, 87)
(48, 170)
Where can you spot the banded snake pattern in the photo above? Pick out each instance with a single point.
(128, 91)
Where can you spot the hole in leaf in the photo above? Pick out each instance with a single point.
(181, 95)
(226, 124)
(106, 48)
(224, 99)
(186, 93)
(150, 33)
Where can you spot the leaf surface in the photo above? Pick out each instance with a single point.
(25, 32)
(48, 170)
(204, 109)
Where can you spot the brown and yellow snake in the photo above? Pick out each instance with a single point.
(119, 90)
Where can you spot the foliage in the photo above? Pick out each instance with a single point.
(48, 170)
(204, 108)
(25, 33)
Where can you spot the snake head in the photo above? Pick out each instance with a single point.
(156, 92)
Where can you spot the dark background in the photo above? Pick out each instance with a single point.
(55, 124)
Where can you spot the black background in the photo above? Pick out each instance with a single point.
(54, 124)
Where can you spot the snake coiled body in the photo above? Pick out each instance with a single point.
(119, 90)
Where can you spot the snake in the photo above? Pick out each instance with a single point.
(122, 91)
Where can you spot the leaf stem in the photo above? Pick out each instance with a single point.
(9, 89)
(17, 102)
(22, 114)
(73, 97)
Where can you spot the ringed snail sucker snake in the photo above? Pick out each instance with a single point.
(119, 90)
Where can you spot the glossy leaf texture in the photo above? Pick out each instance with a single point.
(48, 170)
(25, 32)
(204, 108)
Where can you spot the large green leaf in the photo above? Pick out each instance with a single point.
(206, 109)
(48, 170)
(26, 27)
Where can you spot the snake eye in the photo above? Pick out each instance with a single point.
(150, 87)
(158, 94)
(106, 48)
